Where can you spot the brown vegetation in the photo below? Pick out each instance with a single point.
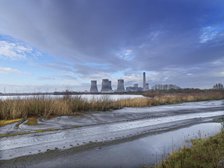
(32, 121)
(5, 122)
(47, 107)
(204, 153)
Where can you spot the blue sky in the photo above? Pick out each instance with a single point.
(57, 45)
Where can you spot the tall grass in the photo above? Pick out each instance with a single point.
(204, 153)
(46, 107)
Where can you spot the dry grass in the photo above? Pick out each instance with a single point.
(46, 107)
(5, 122)
(32, 121)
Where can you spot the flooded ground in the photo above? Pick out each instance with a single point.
(146, 150)
(130, 137)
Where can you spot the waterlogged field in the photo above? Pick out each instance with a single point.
(42, 129)
(67, 140)
(133, 153)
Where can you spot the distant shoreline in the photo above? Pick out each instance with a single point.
(69, 93)
(69, 105)
(110, 93)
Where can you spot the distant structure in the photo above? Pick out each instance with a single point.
(145, 85)
(135, 85)
(144, 81)
(165, 87)
(120, 85)
(93, 87)
(106, 86)
(218, 86)
(110, 86)
(134, 88)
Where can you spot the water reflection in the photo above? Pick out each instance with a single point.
(143, 151)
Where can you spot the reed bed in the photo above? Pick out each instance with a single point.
(46, 107)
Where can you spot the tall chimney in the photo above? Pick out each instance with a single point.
(144, 81)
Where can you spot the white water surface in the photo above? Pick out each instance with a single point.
(88, 97)
(12, 147)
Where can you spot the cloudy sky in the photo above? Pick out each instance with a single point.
(48, 45)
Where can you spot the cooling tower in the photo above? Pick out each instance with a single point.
(120, 85)
(110, 86)
(106, 86)
(93, 88)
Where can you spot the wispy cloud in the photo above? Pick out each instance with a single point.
(126, 54)
(59, 66)
(7, 70)
(210, 33)
(13, 51)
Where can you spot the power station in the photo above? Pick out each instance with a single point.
(106, 86)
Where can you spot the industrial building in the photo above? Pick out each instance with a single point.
(218, 86)
(93, 87)
(120, 85)
(106, 86)
(165, 87)
(134, 88)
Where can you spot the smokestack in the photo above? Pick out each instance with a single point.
(144, 81)
(93, 88)
(120, 85)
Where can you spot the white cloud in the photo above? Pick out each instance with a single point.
(8, 70)
(218, 73)
(126, 54)
(13, 51)
(210, 33)
(218, 62)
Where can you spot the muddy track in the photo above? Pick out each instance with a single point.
(105, 133)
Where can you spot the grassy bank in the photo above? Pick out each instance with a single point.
(46, 107)
(204, 153)
(5, 122)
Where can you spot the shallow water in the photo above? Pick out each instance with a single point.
(142, 151)
(146, 150)
(105, 127)
(71, 147)
(88, 97)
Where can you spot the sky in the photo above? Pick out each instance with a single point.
(53, 45)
